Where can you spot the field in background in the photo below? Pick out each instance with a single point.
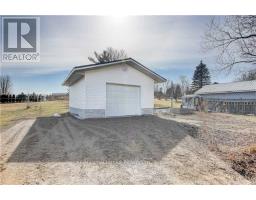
(166, 103)
(13, 112)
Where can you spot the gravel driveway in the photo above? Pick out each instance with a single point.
(130, 150)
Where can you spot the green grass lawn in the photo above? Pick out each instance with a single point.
(160, 103)
(13, 112)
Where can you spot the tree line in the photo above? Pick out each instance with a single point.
(12, 98)
(171, 90)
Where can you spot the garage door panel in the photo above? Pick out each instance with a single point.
(122, 100)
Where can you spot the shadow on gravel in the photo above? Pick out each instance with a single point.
(65, 139)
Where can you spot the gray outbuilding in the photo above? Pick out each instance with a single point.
(234, 97)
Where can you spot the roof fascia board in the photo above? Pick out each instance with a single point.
(113, 63)
(223, 92)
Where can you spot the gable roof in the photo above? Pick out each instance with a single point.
(78, 72)
(241, 86)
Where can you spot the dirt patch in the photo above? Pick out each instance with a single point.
(68, 139)
(131, 150)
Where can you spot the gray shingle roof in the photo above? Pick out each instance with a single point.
(241, 86)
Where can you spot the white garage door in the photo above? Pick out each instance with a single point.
(122, 100)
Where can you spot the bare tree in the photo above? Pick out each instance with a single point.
(163, 89)
(177, 92)
(248, 76)
(171, 89)
(234, 38)
(108, 55)
(158, 91)
(184, 85)
(165, 86)
(5, 84)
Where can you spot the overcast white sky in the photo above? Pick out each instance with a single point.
(170, 45)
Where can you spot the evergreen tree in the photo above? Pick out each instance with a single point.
(201, 77)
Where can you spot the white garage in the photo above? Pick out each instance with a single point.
(114, 89)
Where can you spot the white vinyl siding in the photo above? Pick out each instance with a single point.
(77, 94)
(96, 80)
